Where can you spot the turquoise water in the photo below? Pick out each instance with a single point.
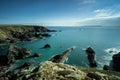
(100, 38)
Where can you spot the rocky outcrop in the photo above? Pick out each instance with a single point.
(15, 53)
(3, 60)
(105, 67)
(47, 46)
(91, 56)
(61, 58)
(13, 33)
(116, 62)
(56, 71)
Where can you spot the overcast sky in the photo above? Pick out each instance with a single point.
(59, 12)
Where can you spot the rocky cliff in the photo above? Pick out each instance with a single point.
(59, 71)
(13, 33)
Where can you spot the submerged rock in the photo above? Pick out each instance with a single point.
(61, 58)
(91, 56)
(47, 46)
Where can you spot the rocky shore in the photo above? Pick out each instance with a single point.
(54, 69)
(15, 33)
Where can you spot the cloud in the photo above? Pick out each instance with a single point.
(102, 13)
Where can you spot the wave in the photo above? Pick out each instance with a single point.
(113, 50)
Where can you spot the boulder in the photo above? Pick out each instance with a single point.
(91, 56)
(105, 67)
(47, 46)
(116, 62)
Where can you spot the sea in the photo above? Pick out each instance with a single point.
(105, 41)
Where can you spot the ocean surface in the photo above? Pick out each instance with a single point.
(101, 39)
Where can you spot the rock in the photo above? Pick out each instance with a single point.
(106, 67)
(46, 35)
(55, 71)
(25, 65)
(22, 33)
(15, 53)
(34, 55)
(12, 41)
(3, 60)
(47, 46)
(94, 76)
(61, 58)
(116, 62)
(2, 41)
(91, 56)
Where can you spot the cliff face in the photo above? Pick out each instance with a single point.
(7, 30)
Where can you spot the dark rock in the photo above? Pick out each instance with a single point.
(91, 57)
(34, 55)
(51, 30)
(3, 60)
(56, 58)
(61, 58)
(46, 35)
(116, 62)
(47, 46)
(38, 35)
(105, 67)
(25, 65)
(2, 41)
(12, 41)
(15, 53)
(94, 76)
(89, 50)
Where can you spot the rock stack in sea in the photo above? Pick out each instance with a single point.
(116, 62)
(91, 56)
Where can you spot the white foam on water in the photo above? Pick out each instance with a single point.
(113, 50)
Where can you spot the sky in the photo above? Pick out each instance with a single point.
(60, 12)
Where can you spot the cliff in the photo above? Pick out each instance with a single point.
(7, 30)
(59, 71)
